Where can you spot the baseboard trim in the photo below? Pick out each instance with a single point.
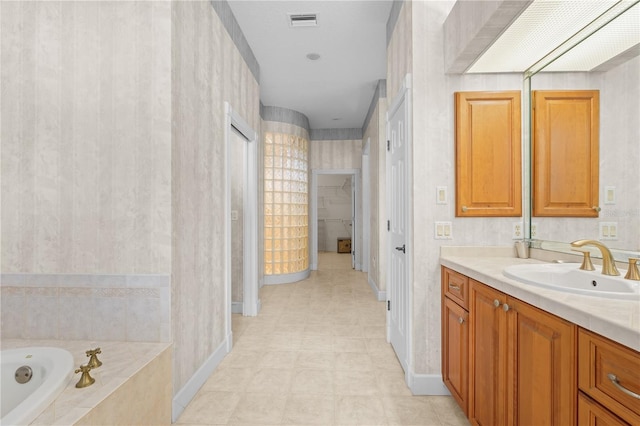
(184, 396)
(237, 307)
(427, 384)
(286, 278)
(380, 295)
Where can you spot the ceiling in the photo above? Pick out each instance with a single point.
(334, 91)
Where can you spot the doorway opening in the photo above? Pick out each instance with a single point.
(241, 218)
(335, 213)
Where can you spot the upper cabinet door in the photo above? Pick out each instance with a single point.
(488, 154)
(565, 153)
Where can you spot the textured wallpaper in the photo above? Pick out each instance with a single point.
(86, 138)
(434, 165)
(375, 133)
(207, 71)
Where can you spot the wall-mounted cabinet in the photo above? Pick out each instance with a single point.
(565, 153)
(488, 154)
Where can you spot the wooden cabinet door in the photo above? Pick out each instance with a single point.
(455, 351)
(487, 356)
(488, 154)
(542, 359)
(565, 153)
(590, 413)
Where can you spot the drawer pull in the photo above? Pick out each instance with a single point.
(614, 380)
(455, 287)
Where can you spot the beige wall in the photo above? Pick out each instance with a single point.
(207, 71)
(237, 156)
(335, 154)
(86, 138)
(399, 52)
(434, 164)
(375, 133)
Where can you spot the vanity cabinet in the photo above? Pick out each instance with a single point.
(608, 378)
(521, 360)
(565, 142)
(488, 154)
(590, 413)
(455, 336)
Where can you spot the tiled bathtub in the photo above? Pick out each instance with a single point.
(133, 385)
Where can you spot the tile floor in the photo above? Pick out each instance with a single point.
(315, 355)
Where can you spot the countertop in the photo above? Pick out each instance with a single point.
(618, 320)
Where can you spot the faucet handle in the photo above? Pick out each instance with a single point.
(94, 362)
(632, 272)
(85, 379)
(587, 265)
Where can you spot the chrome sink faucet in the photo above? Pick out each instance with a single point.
(608, 264)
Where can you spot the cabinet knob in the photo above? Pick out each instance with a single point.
(461, 320)
(506, 307)
(496, 303)
(596, 208)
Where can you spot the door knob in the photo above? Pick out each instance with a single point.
(402, 249)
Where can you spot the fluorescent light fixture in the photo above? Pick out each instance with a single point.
(613, 39)
(546, 24)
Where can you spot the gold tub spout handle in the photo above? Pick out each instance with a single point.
(608, 264)
(94, 362)
(632, 272)
(85, 379)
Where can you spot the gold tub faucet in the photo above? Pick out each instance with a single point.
(608, 264)
(85, 379)
(92, 354)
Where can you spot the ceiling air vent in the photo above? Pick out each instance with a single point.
(303, 19)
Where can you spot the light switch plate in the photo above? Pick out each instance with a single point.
(609, 194)
(441, 195)
(443, 231)
(608, 230)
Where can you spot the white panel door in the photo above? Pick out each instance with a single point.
(398, 299)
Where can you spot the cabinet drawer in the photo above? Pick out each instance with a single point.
(455, 286)
(599, 360)
(591, 413)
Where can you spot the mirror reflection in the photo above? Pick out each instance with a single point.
(618, 83)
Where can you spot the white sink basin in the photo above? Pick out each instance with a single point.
(569, 277)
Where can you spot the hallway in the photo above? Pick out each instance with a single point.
(316, 354)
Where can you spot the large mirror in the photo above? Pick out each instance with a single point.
(618, 82)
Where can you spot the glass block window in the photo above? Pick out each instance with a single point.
(286, 204)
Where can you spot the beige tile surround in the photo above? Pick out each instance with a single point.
(316, 354)
(133, 385)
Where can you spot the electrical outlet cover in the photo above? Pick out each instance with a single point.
(517, 233)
